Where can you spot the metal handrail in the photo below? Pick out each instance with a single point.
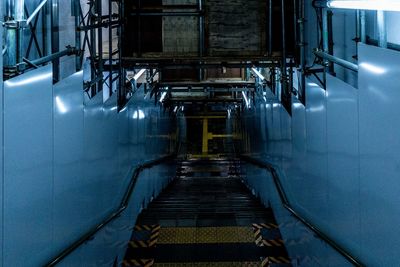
(288, 206)
(112, 215)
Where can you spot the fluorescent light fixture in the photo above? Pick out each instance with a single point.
(163, 95)
(176, 109)
(246, 99)
(256, 72)
(373, 68)
(385, 5)
(139, 74)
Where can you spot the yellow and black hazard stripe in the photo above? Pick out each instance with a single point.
(155, 233)
(261, 242)
(272, 243)
(138, 263)
(280, 260)
(151, 242)
(258, 237)
(269, 226)
(138, 244)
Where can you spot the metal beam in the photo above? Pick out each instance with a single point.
(167, 14)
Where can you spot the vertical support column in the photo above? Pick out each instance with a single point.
(286, 88)
(330, 40)
(14, 33)
(382, 33)
(99, 13)
(302, 44)
(55, 40)
(76, 6)
(325, 33)
(139, 26)
(270, 27)
(325, 40)
(110, 47)
(363, 35)
(201, 37)
(121, 72)
(93, 48)
(19, 17)
(204, 149)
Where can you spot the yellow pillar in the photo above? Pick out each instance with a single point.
(205, 136)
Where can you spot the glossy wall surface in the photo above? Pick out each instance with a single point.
(1, 138)
(338, 161)
(67, 162)
(28, 168)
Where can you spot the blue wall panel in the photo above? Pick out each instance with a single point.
(343, 164)
(315, 177)
(124, 159)
(68, 161)
(28, 168)
(320, 183)
(379, 79)
(94, 163)
(134, 135)
(112, 178)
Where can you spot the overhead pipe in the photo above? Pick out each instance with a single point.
(69, 51)
(336, 60)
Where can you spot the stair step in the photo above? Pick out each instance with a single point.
(207, 217)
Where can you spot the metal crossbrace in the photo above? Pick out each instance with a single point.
(33, 37)
(91, 24)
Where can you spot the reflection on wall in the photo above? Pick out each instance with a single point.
(338, 159)
(68, 160)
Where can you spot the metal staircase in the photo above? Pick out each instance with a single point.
(206, 217)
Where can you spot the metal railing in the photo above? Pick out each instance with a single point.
(113, 214)
(286, 204)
